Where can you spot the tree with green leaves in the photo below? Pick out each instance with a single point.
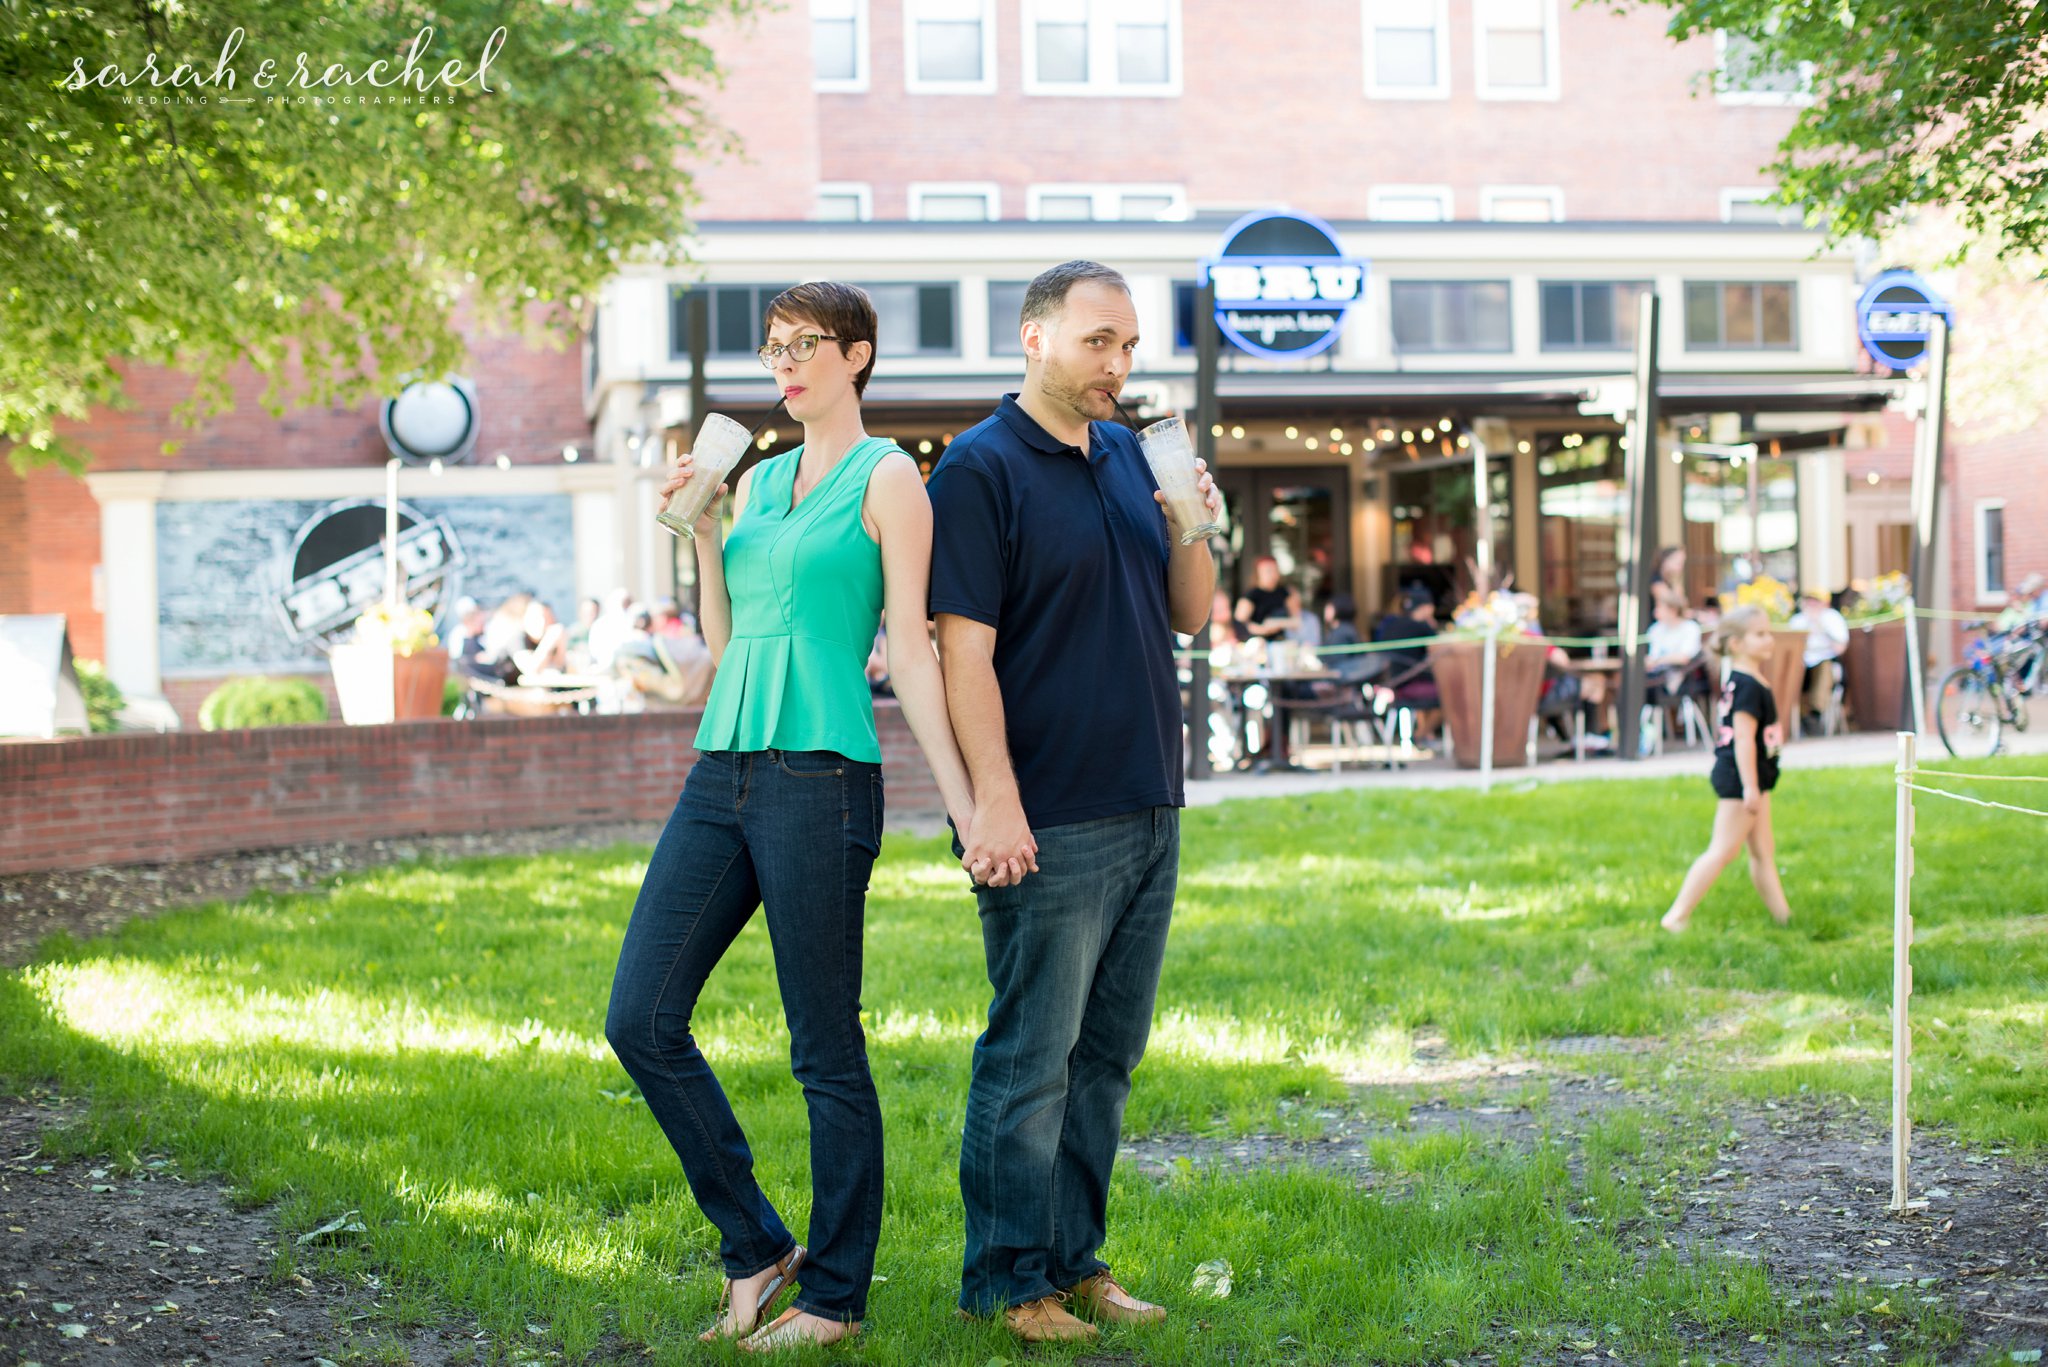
(311, 186)
(1914, 103)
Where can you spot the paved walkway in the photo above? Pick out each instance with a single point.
(1812, 753)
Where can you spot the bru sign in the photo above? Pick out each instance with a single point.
(1283, 285)
(1892, 316)
(334, 571)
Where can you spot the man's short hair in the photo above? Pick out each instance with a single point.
(1046, 295)
(843, 312)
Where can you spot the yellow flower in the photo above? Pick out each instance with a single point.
(403, 630)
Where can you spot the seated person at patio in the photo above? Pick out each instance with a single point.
(546, 641)
(1265, 609)
(1827, 639)
(1340, 628)
(1405, 678)
(1669, 584)
(663, 671)
(466, 642)
(576, 645)
(1222, 630)
(503, 636)
(1308, 626)
(1674, 642)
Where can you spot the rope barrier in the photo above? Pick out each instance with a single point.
(1984, 778)
(1973, 801)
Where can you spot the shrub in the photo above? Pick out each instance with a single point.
(453, 690)
(103, 700)
(262, 701)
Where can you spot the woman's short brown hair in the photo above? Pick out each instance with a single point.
(843, 312)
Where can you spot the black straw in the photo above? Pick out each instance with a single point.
(1129, 421)
(773, 410)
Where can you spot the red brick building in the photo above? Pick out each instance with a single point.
(1503, 163)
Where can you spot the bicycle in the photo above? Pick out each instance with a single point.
(1990, 689)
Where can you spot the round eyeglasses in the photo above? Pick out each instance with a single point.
(801, 347)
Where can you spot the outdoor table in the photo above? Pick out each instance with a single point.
(1238, 680)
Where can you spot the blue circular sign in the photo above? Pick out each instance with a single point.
(1283, 285)
(1893, 314)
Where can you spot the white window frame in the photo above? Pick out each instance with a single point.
(1554, 194)
(1986, 596)
(861, 66)
(1553, 85)
(1803, 95)
(862, 192)
(1105, 197)
(912, 84)
(1379, 194)
(1102, 56)
(1441, 90)
(922, 189)
(1753, 194)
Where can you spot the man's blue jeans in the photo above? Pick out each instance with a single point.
(1073, 954)
(796, 833)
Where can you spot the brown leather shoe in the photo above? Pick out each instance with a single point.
(1099, 1298)
(1046, 1320)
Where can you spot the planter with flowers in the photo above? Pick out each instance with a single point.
(1874, 666)
(392, 670)
(1786, 669)
(1459, 667)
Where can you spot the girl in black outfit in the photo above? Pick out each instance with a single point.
(1746, 736)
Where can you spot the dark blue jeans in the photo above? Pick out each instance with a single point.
(1073, 954)
(797, 834)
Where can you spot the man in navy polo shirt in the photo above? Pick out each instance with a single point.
(1057, 589)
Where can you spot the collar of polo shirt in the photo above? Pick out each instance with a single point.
(1027, 427)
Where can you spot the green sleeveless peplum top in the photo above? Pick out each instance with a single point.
(806, 589)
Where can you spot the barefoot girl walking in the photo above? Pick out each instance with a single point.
(1746, 737)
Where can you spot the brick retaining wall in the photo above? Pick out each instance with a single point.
(142, 799)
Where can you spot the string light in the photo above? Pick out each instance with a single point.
(504, 461)
(570, 454)
(1345, 448)
(1313, 443)
(1522, 448)
(1407, 436)
(1371, 445)
(1386, 434)
(1336, 434)
(1463, 441)
(1216, 430)
(924, 448)
(1238, 433)
(1293, 432)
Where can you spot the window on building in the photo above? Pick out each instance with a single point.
(1407, 50)
(950, 45)
(844, 202)
(1450, 315)
(1740, 521)
(735, 317)
(1410, 203)
(971, 203)
(1748, 206)
(1005, 314)
(1590, 315)
(1991, 550)
(1582, 493)
(1731, 315)
(916, 319)
(1098, 47)
(1522, 204)
(1744, 74)
(1517, 49)
(1130, 203)
(839, 44)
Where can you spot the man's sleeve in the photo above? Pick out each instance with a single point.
(969, 547)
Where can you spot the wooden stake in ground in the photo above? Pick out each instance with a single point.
(1902, 971)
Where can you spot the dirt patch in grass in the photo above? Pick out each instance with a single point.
(1805, 1190)
(1800, 1187)
(88, 902)
(133, 1265)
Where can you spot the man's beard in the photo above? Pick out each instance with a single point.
(1077, 394)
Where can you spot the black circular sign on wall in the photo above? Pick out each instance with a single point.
(334, 571)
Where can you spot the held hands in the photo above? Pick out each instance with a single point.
(1774, 737)
(1751, 800)
(679, 475)
(999, 845)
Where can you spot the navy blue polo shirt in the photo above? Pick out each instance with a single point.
(1065, 554)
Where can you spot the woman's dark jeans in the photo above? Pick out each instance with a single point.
(794, 832)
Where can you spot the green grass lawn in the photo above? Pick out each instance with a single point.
(425, 1044)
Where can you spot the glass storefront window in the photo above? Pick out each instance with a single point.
(1435, 521)
(1582, 501)
(1740, 521)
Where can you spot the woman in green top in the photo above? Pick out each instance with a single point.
(783, 811)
